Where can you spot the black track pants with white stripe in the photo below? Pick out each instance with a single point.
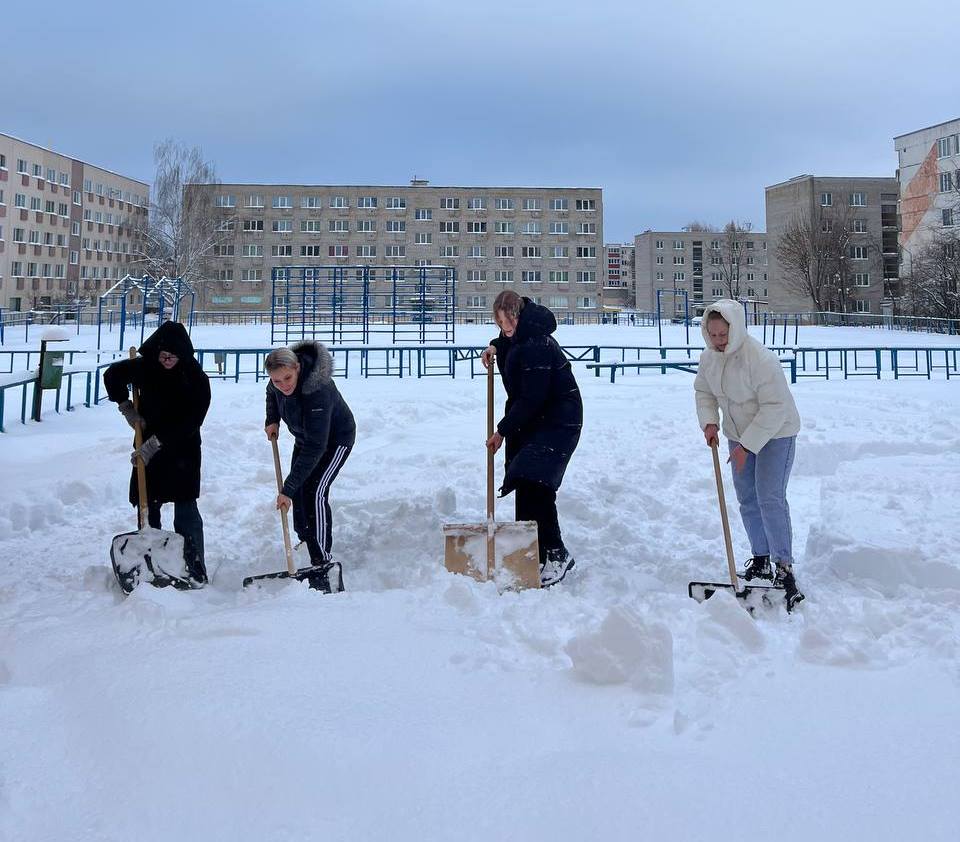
(312, 518)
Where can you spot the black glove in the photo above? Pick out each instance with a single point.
(146, 451)
(130, 414)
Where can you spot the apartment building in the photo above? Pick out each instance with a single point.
(545, 242)
(704, 264)
(619, 286)
(66, 226)
(928, 175)
(866, 209)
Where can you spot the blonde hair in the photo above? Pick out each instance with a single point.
(508, 302)
(281, 358)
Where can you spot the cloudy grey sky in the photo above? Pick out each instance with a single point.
(679, 110)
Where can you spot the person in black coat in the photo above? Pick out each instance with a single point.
(542, 421)
(174, 398)
(302, 393)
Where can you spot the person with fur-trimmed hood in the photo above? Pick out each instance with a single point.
(542, 420)
(740, 377)
(302, 393)
(174, 399)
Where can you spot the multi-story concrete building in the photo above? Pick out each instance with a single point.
(700, 263)
(865, 208)
(66, 227)
(928, 174)
(545, 242)
(619, 284)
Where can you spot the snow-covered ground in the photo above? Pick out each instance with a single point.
(418, 705)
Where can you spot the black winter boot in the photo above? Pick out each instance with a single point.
(785, 580)
(558, 562)
(757, 567)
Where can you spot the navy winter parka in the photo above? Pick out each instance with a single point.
(544, 412)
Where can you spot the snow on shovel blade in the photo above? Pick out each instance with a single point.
(327, 578)
(517, 557)
(149, 555)
(752, 596)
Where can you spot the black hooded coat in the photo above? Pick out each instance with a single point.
(544, 412)
(173, 405)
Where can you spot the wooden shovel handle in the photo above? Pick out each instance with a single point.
(141, 468)
(723, 517)
(288, 551)
(491, 528)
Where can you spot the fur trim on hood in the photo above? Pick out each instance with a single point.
(732, 312)
(316, 365)
(171, 337)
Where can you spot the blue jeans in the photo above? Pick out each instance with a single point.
(762, 493)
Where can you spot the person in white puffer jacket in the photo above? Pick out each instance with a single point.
(744, 381)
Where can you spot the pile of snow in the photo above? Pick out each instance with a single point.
(420, 705)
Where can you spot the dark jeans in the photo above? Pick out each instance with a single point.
(188, 523)
(312, 516)
(535, 501)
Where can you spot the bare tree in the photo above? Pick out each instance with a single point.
(183, 228)
(933, 284)
(701, 227)
(728, 252)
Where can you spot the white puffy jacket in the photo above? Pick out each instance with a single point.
(746, 381)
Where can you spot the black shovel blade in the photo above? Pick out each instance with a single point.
(327, 578)
(752, 596)
(145, 555)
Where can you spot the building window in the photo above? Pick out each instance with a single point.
(396, 203)
(504, 251)
(659, 245)
(559, 204)
(423, 213)
(532, 205)
(503, 227)
(424, 238)
(477, 275)
(282, 251)
(283, 226)
(826, 200)
(339, 202)
(560, 252)
(862, 306)
(858, 252)
(367, 251)
(392, 251)
(559, 228)
(253, 225)
(366, 226)
(336, 251)
(253, 201)
(560, 277)
(678, 245)
(450, 227)
(311, 202)
(252, 250)
(367, 202)
(586, 277)
(310, 226)
(476, 227)
(340, 226)
(450, 203)
(586, 205)
(533, 277)
(476, 203)
(283, 202)
(946, 146)
(224, 250)
(449, 251)
(861, 279)
(251, 275)
(679, 260)
(946, 182)
(532, 228)
(586, 251)
(317, 251)
(477, 251)
(224, 201)
(947, 216)
(859, 226)
(587, 228)
(531, 252)
(858, 200)
(503, 276)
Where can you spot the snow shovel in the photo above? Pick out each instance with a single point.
(151, 555)
(752, 596)
(321, 577)
(507, 552)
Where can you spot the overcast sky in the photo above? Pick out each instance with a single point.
(679, 111)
